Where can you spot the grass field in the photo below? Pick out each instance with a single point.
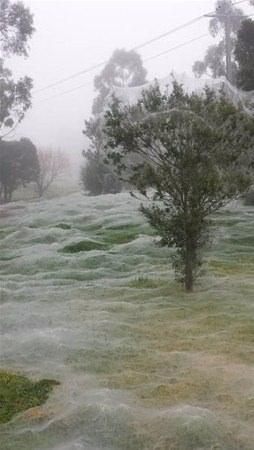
(88, 298)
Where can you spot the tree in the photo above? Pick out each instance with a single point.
(15, 98)
(244, 55)
(16, 28)
(124, 69)
(97, 176)
(218, 59)
(18, 166)
(196, 152)
(51, 166)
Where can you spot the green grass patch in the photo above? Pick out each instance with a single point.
(18, 393)
(83, 246)
(4, 233)
(233, 267)
(121, 235)
(145, 283)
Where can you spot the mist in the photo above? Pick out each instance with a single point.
(74, 35)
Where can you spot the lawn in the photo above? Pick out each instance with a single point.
(89, 298)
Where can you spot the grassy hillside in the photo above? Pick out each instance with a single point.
(88, 298)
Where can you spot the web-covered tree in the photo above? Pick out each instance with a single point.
(244, 55)
(218, 60)
(125, 68)
(16, 28)
(197, 157)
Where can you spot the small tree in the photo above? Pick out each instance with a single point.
(51, 166)
(196, 152)
(97, 176)
(18, 166)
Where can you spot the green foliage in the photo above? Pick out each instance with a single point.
(83, 246)
(120, 236)
(146, 283)
(249, 198)
(15, 98)
(97, 177)
(63, 226)
(16, 28)
(18, 166)
(18, 393)
(244, 54)
(197, 157)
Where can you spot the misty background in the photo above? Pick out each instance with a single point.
(74, 35)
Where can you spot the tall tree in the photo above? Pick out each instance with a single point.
(15, 98)
(219, 60)
(197, 155)
(244, 55)
(125, 68)
(16, 28)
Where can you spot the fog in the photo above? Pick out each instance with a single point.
(74, 35)
(71, 36)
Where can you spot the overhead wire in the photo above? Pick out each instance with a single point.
(137, 47)
(146, 59)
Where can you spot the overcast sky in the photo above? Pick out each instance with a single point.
(73, 35)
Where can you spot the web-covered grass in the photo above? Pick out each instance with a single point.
(142, 365)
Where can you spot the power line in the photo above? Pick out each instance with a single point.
(157, 55)
(146, 59)
(137, 47)
(67, 92)
(176, 47)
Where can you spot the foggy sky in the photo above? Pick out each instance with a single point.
(73, 35)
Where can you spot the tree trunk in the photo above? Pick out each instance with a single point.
(190, 258)
(189, 279)
(5, 194)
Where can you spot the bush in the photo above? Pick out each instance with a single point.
(97, 177)
(249, 198)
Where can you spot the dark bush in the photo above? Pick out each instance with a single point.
(97, 176)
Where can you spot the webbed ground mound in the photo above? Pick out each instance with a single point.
(143, 366)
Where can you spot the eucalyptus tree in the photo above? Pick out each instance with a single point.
(16, 28)
(219, 58)
(124, 68)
